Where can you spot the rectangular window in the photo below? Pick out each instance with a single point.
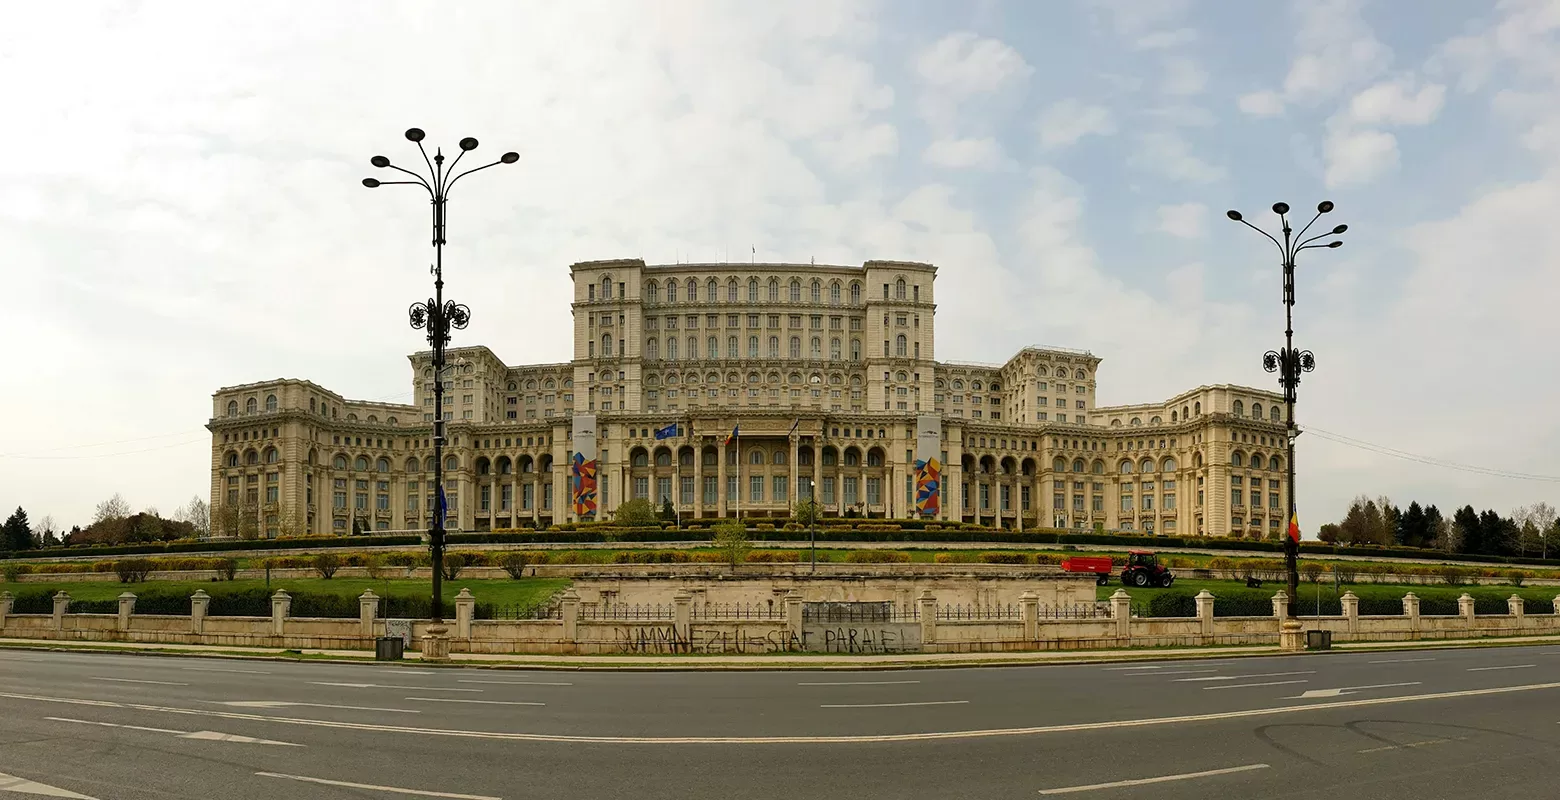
(1169, 501)
(732, 495)
(663, 491)
(756, 488)
(780, 488)
(1077, 502)
(1004, 501)
(1273, 501)
(1098, 502)
(852, 491)
(485, 498)
(711, 484)
(685, 490)
(1148, 502)
(828, 491)
(641, 488)
(527, 496)
(874, 491)
(1237, 497)
(1256, 499)
(1126, 502)
(506, 497)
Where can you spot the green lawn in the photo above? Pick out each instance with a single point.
(525, 591)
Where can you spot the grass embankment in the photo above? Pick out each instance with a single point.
(505, 592)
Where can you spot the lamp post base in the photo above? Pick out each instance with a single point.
(436, 644)
(1291, 639)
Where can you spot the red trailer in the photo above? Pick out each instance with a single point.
(1101, 566)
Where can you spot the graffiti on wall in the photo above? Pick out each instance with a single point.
(665, 639)
(862, 637)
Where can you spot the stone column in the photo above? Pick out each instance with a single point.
(1281, 605)
(682, 620)
(200, 603)
(720, 479)
(1514, 606)
(698, 479)
(927, 608)
(1465, 608)
(793, 614)
(1351, 611)
(1411, 611)
(817, 481)
(1029, 604)
(1204, 600)
(7, 602)
(368, 610)
(436, 644)
(1121, 611)
(281, 603)
(61, 604)
(126, 609)
(465, 610)
(571, 617)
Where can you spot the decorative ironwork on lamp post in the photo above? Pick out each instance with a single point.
(1289, 362)
(437, 316)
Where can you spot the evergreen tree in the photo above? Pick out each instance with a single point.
(16, 533)
(1469, 534)
(1414, 529)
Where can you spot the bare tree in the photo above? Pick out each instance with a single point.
(113, 508)
(248, 522)
(227, 519)
(197, 513)
(1543, 516)
(47, 535)
(1445, 536)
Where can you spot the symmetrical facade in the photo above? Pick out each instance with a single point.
(827, 376)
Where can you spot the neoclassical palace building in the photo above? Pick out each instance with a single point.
(735, 389)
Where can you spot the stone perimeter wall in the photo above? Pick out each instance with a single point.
(684, 627)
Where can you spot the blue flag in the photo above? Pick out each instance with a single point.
(444, 504)
(666, 432)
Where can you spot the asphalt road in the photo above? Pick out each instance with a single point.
(1422, 725)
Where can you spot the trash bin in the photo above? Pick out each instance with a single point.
(389, 648)
(1318, 640)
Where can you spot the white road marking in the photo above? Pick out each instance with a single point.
(856, 683)
(1121, 669)
(1348, 690)
(1238, 677)
(1509, 666)
(896, 705)
(11, 783)
(476, 702)
(986, 733)
(1413, 744)
(521, 683)
(216, 669)
(1252, 685)
(210, 736)
(1400, 661)
(285, 704)
(388, 686)
(1178, 672)
(372, 787)
(1161, 779)
(132, 680)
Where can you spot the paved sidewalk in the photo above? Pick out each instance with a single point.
(779, 661)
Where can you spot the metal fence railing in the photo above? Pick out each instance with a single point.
(739, 611)
(524, 612)
(625, 611)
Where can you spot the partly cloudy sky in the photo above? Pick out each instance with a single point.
(180, 206)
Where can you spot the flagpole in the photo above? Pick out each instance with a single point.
(738, 439)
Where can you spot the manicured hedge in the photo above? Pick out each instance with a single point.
(242, 602)
(155, 548)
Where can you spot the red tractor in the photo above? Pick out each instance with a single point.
(1143, 569)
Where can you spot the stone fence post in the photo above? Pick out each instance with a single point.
(926, 608)
(1411, 611)
(1281, 605)
(793, 613)
(1557, 605)
(368, 611)
(7, 602)
(465, 610)
(1121, 611)
(281, 604)
(571, 619)
(1029, 611)
(1515, 607)
(1351, 611)
(200, 603)
(1204, 600)
(1465, 608)
(682, 620)
(61, 605)
(126, 608)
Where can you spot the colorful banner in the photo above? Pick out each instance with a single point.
(582, 467)
(928, 465)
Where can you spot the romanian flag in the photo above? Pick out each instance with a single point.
(1294, 527)
(734, 432)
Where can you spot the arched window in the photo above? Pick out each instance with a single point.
(249, 406)
(731, 290)
(1256, 411)
(361, 464)
(774, 347)
(452, 463)
(874, 457)
(671, 290)
(1197, 407)
(382, 465)
(779, 458)
(796, 291)
(270, 402)
(606, 346)
(731, 348)
(900, 345)
(1098, 467)
(641, 459)
(251, 458)
(752, 290)
(756, 456)
(1077, 465)
(834, 293)
(1273, 414)
(653, 349)
(1168, 465)
(712, 291)
(855, 349)
(270, 455)
(693, 348)
(816, 351)
(834, 349)
(663, 458)
(796, 347)
(713, 347)
(752, 347)
(339, 462)
(815, 293)
(1125, 467)
(1239, 408)
(899, 289)
(693, 291)
(774, 290)
(232, 459)
(652, 292)
(232, 408)
(1147, 466)
(606, 287)
(412, 465)
(855, 293)
(1275, 463)
(1236, 460)
(671, 348)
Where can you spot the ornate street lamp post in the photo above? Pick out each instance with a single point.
(1289, 362)
(437, 316)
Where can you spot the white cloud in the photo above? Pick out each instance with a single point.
(1136, 19)
(1397, 103)
(964, 153)
(1185, 220)
(1358, 156)
(1064, 122)
(1183, 76)
(1164, 40)
(1356, 151)
(1266, 103)
(967, 63)
(1168, 154)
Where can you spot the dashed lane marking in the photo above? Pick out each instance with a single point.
(210, 736)
(1400, 661)
(1186, 776)
(897, 705)
(475, 702)
(520, 683)
(1253, 685)
(1508, 666)
(375, 788)
(1343, 690)
(133, 680)
(286, 704)
(11, 783)
(764, 740)
(856, 683)
(389, 686)
(1238, 677)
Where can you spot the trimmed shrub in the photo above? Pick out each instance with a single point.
(453, 564)
(515, 563)
(876, 557)
(132, 570)
(326, 564)
(227, 568)
(1004, 558)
